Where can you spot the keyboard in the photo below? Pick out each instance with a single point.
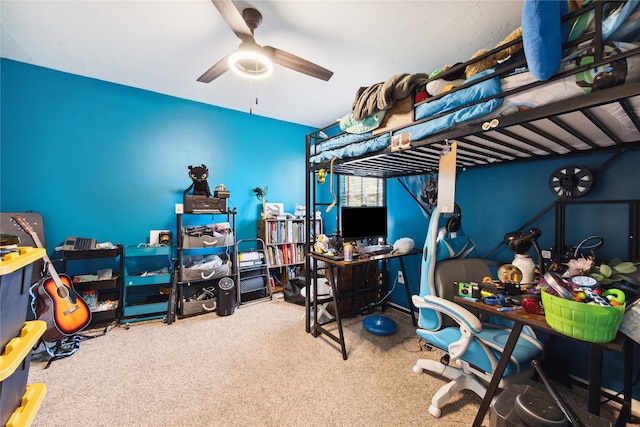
(78, 244)
(378, 249)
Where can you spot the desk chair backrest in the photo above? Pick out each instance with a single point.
(441, 244)
(475, 347)
(458, 270)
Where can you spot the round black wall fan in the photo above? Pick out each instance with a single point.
(571, 181)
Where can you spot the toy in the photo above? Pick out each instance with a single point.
(493, 60)
(404, 245)
(199, 184)
(322, 175)
(446, 83)
(615, 297)
(322, 244)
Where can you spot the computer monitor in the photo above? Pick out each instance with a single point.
(363, 222)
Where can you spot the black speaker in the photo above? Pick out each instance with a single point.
(226, 296)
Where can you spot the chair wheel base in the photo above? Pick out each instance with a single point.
(435, 411)
(417, 369)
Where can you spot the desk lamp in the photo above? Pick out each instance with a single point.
(520, 243)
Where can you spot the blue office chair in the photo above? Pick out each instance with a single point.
(473, 348)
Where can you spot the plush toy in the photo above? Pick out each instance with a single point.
(199, 175)
(322, 175)
(322, 244)
(446, 83)
(493, 60)
(404, 245)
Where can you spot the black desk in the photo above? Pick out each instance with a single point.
(521, 318)
(332, 264)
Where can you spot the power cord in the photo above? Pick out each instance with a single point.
(599, 241)
(369, 308)
(421, 344)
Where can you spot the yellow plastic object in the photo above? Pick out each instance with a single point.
(29, 406)
(24, 256)
(587, 322)
(19, 347)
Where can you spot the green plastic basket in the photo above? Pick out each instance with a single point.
(580, 320)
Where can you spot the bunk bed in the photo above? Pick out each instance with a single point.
(512, 116)
(505, 114)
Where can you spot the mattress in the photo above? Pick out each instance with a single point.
(482, 102)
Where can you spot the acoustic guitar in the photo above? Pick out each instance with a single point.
(57, 303)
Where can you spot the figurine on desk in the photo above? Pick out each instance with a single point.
(321, 246)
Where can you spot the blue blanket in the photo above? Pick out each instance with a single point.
(344, 146)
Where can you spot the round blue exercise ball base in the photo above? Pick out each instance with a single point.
(379, 325)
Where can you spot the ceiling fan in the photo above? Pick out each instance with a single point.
(252, 60)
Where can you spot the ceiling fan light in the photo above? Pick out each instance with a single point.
(251, 64)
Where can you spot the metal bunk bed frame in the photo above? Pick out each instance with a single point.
(478, 147)
(545, 132)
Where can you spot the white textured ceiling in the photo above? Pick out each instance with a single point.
(164, 46)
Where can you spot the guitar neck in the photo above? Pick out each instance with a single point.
(47, 261)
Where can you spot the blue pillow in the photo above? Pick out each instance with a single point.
(543, 35)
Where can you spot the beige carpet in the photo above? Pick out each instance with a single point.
(255, 367)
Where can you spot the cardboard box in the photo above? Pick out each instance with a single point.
(630, 324)
(397, 116)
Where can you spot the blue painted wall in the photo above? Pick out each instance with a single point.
(500, 199)
(108, 161)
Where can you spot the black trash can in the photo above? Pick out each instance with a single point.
(226, 296)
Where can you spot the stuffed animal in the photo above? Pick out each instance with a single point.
(322, 244)
(446, 83)
(496, 58)
(404, 245)
(199, 175)
(322, 175)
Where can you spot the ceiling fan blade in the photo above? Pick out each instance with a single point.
(234, 18)
(298, 64)
(216, 71)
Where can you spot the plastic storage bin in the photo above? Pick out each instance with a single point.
(18, 405)
(15, 281)
(583, 321)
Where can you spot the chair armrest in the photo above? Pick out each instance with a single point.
(470, 325)
(461, 315)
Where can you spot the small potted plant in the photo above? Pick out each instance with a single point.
(261, 194)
